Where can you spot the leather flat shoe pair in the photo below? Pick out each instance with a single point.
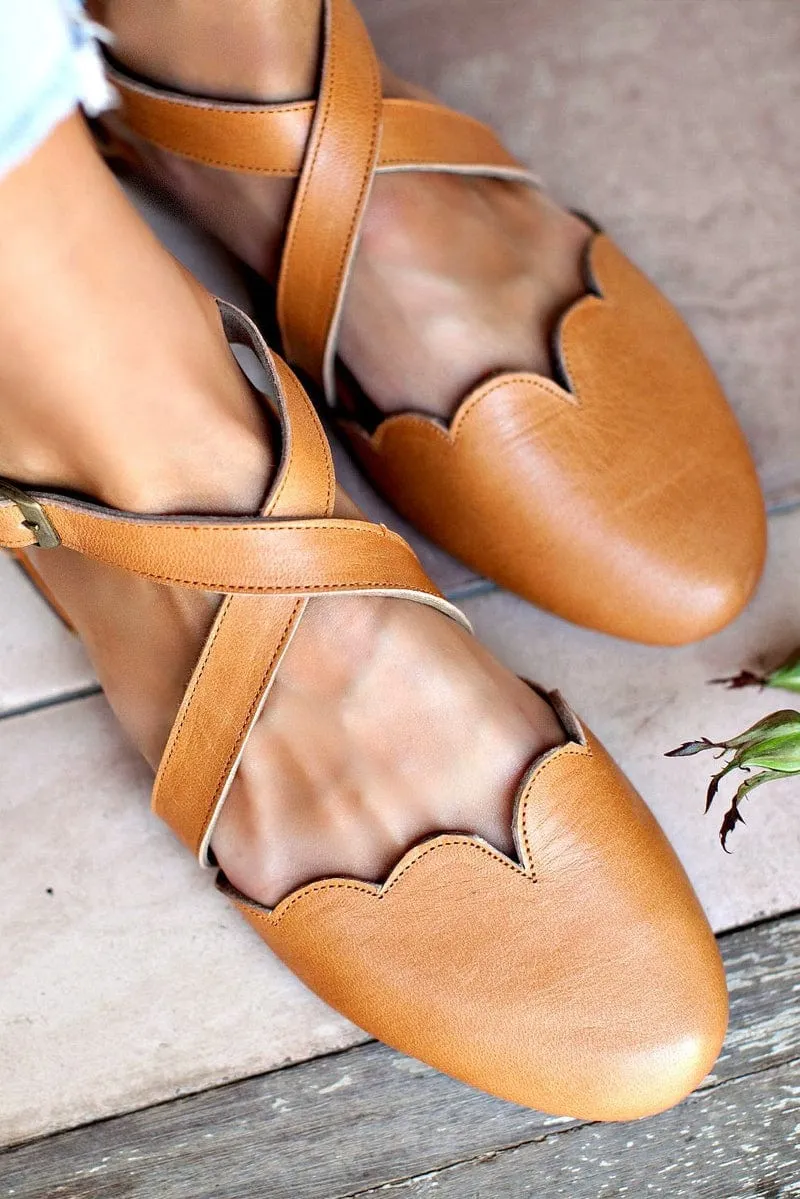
(619, 493)
(579, 977)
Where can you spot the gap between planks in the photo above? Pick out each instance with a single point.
(366, 1122)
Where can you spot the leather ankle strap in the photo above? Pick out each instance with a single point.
(268, 568)
(334, 145)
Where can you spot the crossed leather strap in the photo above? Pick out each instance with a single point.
(267, 568)
(333, 146)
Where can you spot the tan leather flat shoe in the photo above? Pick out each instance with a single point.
(581, 978)
(620, 494)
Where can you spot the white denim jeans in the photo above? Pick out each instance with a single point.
(49, 64)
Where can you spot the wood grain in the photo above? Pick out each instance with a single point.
(355, 1122)
(740, 1139)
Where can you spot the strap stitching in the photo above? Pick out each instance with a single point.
(365, 889)
(423, 164)
(292, 239)
(359, 527)
(365, 181)
(224, 163)
(257, 589)
(186, 703)
(254, 111)
(451, 435)
(249, 716)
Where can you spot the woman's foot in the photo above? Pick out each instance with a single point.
(387, 723)
(639, 478)
(425, 319)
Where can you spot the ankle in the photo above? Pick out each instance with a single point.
(196, 455)
(268, 49)
(116, 377)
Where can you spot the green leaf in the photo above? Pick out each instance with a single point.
(771, 746)
(787, 677)
(785, 723)
(781, 754)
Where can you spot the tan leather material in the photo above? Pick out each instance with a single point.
(266, 588)
(333, 189)
(246, 645)
(240, 660)
(270, 139)
(629, 503)
(257, 557)
(582, 981)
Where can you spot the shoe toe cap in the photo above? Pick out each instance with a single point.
(639, 1043)
(636, 985)
(625, 500)
(682, 571)
(583, 981)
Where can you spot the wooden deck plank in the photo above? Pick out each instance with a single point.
(359, 1120)
(740, 1139)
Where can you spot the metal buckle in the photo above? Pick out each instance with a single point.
(33, 514)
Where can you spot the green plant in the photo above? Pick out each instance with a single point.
(771, 747)
(786, 677)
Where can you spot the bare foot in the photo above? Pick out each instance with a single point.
(425, 318)
(387, 722)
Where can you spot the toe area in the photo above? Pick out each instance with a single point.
(673, 526)
(698, 577)
(582, 980)
(626, 500)
(634, 1008)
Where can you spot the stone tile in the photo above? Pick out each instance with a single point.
(39, 659)
(643, 702)
(674, 124)
(126, 978)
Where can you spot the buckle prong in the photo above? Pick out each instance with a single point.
(33, 515)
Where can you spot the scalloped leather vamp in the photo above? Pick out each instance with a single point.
(582, 979)
(627, 499)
